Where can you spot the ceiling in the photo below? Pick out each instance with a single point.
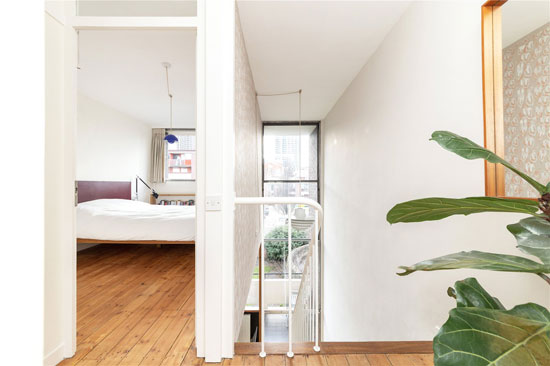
(316, 46)
(521, 17)
(123, 70)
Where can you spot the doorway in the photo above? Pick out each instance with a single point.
(216, 91)
(135, 230)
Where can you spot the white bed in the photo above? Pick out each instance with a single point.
(126, 221)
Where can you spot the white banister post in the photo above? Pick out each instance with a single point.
(262, 288)
(311, 314)
(316, 348)
(289, 353)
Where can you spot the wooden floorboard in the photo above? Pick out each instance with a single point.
(407, 347)
(136, 307)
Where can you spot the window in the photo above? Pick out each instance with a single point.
(291, 159)
(290, 167)
(181, 156)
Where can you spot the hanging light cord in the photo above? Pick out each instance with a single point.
(277, 94)
(300, 137)
(299, 92)
(78, 49)
(169, 94)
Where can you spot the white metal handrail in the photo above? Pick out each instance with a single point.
(282, 201)
(318, 221)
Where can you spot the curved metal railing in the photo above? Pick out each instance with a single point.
(317, 224)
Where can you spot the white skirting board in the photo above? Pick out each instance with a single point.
(55, 356)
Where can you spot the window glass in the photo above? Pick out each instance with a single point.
(290, 158)
(282, 146)
(291, 189)
(181, 156)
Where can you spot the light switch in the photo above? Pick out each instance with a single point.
(213, 203)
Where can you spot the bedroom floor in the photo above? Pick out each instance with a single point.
(136, 307)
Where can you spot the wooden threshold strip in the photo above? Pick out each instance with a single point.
(328, 348)
(158, 242)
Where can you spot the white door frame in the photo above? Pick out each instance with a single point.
(214, 25)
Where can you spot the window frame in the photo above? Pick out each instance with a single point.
(174, 131)
(294, 123)
(493, 97)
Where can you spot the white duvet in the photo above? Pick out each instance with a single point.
(115, 219)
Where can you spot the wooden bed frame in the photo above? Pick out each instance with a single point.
(95, 190)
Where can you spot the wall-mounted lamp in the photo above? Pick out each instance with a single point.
(155, 194)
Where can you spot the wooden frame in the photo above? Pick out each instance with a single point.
(399, 347)
(491, 43)
(493, 104)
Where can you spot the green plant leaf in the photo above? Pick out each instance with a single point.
(278, 250)
(474, 336)
(470, 150)
(478, 260)
(533, 237)
(429, 209)
(469, 293)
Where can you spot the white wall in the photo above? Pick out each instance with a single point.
(425, 76)
(175, 187)
(22, 269)
(275, 291)
(53, 231)
(215, 179)
(248, 127)
(60, 259)
(112, 145)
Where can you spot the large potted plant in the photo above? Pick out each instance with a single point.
(480, 331)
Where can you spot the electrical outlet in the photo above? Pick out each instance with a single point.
(213, 203)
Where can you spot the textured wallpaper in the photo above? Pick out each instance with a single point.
(526, 84)
(248, 130)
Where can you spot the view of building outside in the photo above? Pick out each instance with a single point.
(181, 157)
(290, 156)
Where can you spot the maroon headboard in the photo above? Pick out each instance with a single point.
(93, 190)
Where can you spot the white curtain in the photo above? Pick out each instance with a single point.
(157, 156)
